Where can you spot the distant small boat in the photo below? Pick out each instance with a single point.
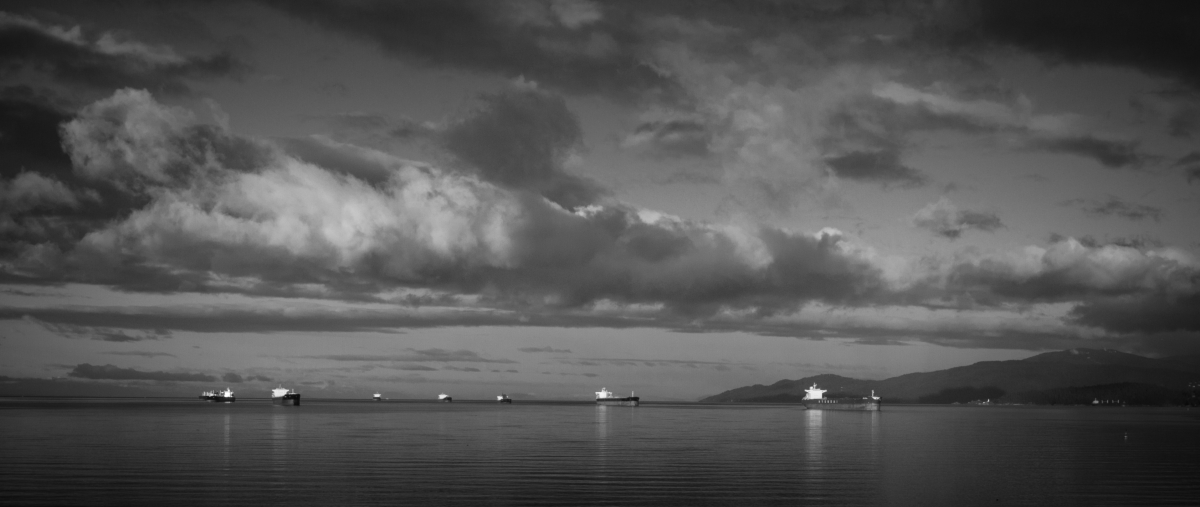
(285, 396)
(503, 398)
(225, 396)
(445, 397)
(606, 397)
(377, 397)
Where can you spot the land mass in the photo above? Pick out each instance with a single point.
(1075, 376)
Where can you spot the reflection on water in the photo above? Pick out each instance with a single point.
(337, 453)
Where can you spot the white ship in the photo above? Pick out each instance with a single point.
(445, 397)
(606, 397)
(225, 396)
(285, 396)
(503, 398)
(377, 397)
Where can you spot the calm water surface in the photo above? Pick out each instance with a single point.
(136, 452)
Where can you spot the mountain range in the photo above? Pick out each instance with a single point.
(1068, 376)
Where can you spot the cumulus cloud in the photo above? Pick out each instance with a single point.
(110, 372)
(232, 378)
(222, 213)
(1069, 270)
(1114, 206)
(942, 217)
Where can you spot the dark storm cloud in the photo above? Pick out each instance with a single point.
(110, 372)
(101, 61)
(943, 218)
(232, 378)
(1157, 37)
(521, 138)
(1114, 206)
(532, 350)
(575, 46)
(875, 166)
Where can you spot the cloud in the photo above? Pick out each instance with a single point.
(532, 350)
(942, 107)
(943, 218)
(1114, 206)
(140, 353)
(576, 46)
(103, 60)
(1069, 270)
(110, 372)
(877, 166)
(1155, 38)
(259, 378)
(419, 355)
(520, 138)
(458, 368)
(99, 333)
(415, 367)
(1112, 154)
(225, 214)
(662, 133)
(1190, 164)
(232, 378)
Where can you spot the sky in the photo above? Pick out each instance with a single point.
(548, 197)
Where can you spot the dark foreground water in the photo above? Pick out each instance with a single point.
(177, 452)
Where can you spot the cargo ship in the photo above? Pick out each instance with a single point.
(377, 397)
(225, 396)
(606, 397)
(503, 398)
(445, 397)
(285, 396)
(814, 399)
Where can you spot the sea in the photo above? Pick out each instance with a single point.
(77, 451)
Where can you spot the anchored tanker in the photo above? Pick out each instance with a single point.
(606, 397)
(285, 396)
(815, 399)
(503, 398)
(225, 396)
(445, 397)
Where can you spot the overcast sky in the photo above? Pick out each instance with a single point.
(548, 197)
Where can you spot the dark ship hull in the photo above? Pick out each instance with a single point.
(859, 404)
(219, 399)
(631, 401)
(287, 399)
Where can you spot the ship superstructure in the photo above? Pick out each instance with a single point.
(445, 397)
